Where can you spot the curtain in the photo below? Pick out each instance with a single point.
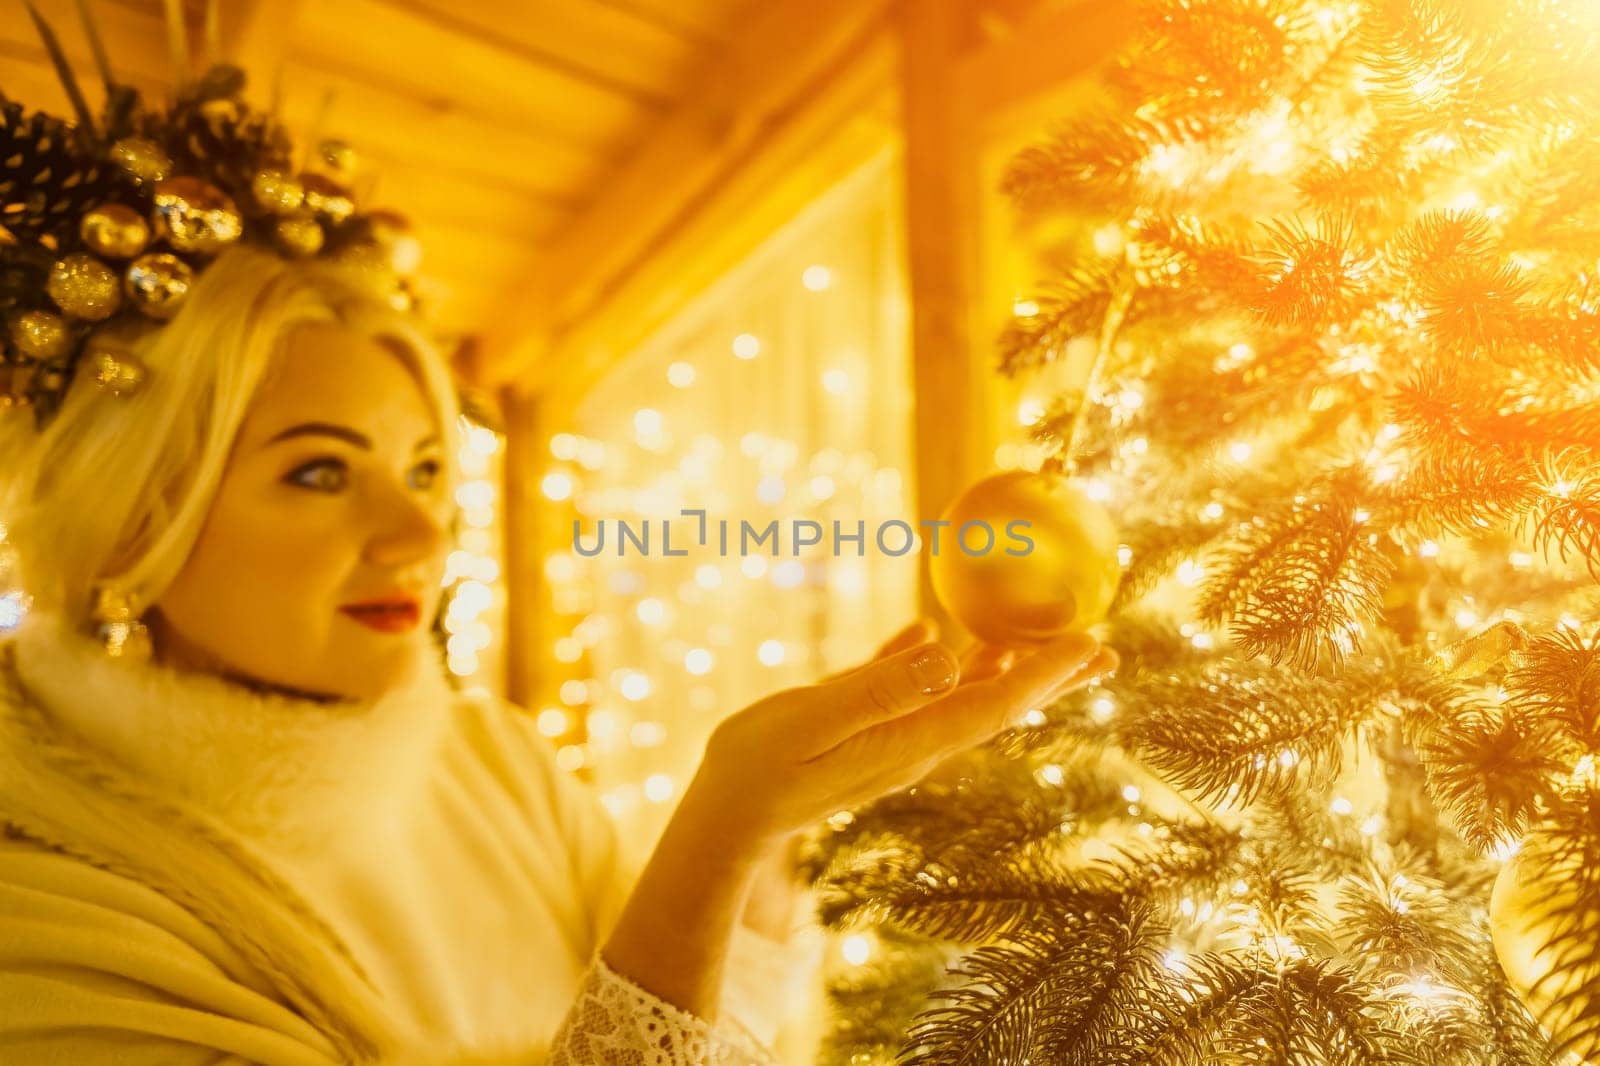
(782, 393)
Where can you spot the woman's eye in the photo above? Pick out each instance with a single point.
(424, 473)
(322, 475)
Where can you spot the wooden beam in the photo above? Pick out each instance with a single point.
(1050, 46)
(560, 41)
(760, 82)
(842, 128)
(941, 223)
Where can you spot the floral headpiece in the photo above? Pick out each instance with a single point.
(106, 223)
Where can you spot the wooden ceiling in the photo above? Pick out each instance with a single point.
(491, 125)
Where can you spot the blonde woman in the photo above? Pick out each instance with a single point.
(279, 836)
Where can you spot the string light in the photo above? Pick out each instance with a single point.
(635, 686)
(556, 486)
(746, 346)
(472, 571)
(1029, 411)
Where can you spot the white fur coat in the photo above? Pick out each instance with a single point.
(195, 872)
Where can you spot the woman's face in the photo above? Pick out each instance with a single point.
(332, 502)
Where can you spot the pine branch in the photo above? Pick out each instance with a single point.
(1237, 730)
(1566, 515)
(983, 903)
(1556, 683)
(1463, 493)
(1403, 929)
(1071, 306)
(1487, 767)
(1304, 830)
(1311, 277)
(872, 1006)
(1058, 990)
(1295, 582)
(1515, 1039)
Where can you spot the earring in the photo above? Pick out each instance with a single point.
(118, 625)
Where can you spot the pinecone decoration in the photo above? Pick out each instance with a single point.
(214, 134)
(47, 176)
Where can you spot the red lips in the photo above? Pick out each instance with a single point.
(390, 614)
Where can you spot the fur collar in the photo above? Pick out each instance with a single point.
(294, 774)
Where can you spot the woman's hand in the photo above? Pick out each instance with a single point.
(773, 891)
(798, 756)
(804, 753)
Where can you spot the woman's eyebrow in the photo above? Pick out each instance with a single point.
(326, 429)
(344, 433)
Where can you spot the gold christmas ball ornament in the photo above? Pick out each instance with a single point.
(144, 159)
(196, 216)
(1533, 923)
(114, 231)
(328, 198)
(84, 287)
(157, 284)
(41, 335)
(277, 191)
(1025, 558)
(299, 235)
(115, 369)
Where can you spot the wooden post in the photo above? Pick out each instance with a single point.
(525, 595)
(941, 218)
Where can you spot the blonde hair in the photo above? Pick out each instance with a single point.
(115, 490)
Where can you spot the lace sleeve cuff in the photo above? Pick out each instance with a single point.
(614, 1021)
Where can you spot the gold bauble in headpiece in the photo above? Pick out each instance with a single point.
(327, 197)
(196, 216)
(114, 231)
(144, 159)
(299, 235)
(392, 231)
(115, 369)
(157, 284)
(40, 334)
(84, 287)
(367, 264)
(336, 159)
(277, 191)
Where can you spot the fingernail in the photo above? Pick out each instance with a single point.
(934, 670)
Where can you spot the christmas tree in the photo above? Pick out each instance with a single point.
(1330, 275)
